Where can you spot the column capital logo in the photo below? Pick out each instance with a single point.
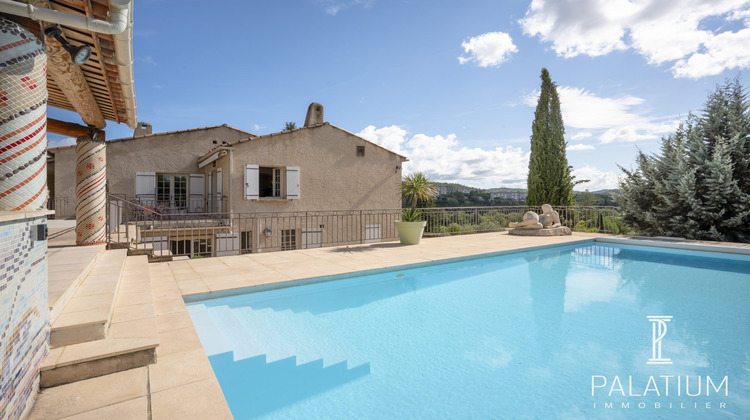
(658, 332)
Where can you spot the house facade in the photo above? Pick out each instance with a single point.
(277, 191)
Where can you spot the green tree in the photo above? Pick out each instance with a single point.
(697, 187)
(290, 125)
(549, 180)
(417, 189)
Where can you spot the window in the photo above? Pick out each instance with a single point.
(288, 239)
(191, 247)
(360, 150)
(246, 241)
(202, 247)
(171, 191)
(181, 247)
(271, 182)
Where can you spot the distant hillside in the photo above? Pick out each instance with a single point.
(505, 189)
(453, 186)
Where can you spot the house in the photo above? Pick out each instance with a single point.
(312, 186)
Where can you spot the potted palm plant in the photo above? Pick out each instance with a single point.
(415, 188)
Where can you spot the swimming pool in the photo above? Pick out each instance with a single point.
(560, 332)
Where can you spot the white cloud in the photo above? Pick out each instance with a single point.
(443, 158)
(332, 7)
(148, 60)
(610, 119)
(580, 146)
(598, 180)
(673, 32)
(60, 142)
(490, 49)
(728, 50)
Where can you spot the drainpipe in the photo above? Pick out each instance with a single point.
(118, 21)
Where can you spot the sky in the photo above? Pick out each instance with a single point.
(452, 85)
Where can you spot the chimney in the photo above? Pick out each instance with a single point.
(142, 128)
(314, 114)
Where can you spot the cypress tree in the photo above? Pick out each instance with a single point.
(698, 187)
(549, 180)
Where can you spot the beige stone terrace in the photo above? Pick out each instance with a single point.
(181, 384)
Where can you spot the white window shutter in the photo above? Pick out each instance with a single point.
(197, 193)
(252, 181)
(292, 182)
(145, 186)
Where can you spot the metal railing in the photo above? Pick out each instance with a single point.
(444, 221)
(63, 206)
(165, 235)
(145, 230)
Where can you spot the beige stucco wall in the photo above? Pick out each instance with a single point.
(332, 176)
(165, 153)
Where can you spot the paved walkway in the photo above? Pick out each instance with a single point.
(199, 276)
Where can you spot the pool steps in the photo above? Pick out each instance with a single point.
(249, 333)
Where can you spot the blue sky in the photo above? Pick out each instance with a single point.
(452, 85)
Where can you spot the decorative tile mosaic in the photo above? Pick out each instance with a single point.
(24, 314)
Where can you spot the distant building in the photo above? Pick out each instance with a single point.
(519, 195)
(447, 189)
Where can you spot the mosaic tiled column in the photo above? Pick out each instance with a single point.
(23, 119)
(24, 314)
(91, 194)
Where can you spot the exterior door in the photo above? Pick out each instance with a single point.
(312, 238)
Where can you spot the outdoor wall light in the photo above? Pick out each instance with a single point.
(79, 54)
(267, 231)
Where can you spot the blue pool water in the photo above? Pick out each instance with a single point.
(554, 333)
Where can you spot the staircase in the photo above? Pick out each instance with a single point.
(107, 324)
(270, 359)
(275, 335)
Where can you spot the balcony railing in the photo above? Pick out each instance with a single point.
(164, 235)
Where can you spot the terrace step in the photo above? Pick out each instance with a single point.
(86, 315)
(68, 268)
(131, 334)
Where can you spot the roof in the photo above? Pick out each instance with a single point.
(166, 133)
(107, 73)
(281, 133)
(100, 70)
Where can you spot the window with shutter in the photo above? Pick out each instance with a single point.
(292, 183)
(252, 192)
(145, 187)
(197, 190)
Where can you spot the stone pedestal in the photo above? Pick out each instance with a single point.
(558, 231)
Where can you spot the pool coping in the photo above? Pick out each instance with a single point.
(637, 241)
(200, 297)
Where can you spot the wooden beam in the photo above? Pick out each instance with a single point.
(70, 129)
(70, 79)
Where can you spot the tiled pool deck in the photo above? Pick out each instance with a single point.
(181, 384)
